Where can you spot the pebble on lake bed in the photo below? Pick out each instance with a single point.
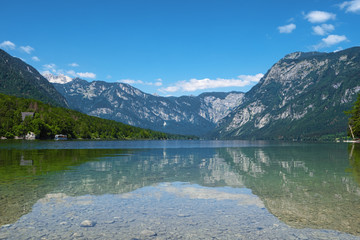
(148, 233)
(183, 215)
(87, 223)
(109, 222)
(77, 235)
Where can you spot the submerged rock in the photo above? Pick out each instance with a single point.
(109, 222)
(88, 223)
(183, 215)
(77, 235)
(148, 233)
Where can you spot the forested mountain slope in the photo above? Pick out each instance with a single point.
(48, 121)
(22, 80)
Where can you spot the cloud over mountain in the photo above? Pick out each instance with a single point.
(207, 83)
(7, 45)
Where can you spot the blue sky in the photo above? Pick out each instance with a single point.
(173, 47)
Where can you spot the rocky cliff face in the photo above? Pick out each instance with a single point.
(124, 103)
(304, 95)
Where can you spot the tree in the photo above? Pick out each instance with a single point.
(354, 120)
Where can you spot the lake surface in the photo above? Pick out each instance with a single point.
(179, 190)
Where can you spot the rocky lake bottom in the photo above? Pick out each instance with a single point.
(164, 211)
(271, 192)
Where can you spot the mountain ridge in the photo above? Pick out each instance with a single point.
(124, 103)
(302, 96)
(19, 79)
(298, 98)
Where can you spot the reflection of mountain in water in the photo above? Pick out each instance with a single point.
(118, 174)
(77, 172)
(304, 186)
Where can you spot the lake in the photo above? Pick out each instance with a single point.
(179, 190)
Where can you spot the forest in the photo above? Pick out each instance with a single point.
(47, 121)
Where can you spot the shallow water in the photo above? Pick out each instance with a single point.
(179, 190)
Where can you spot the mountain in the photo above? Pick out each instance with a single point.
(22, 80)
(47, 121)
(303, 96)
(124, 103)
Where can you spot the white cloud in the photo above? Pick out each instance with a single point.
(323, 29)
(330, 41)
(291, 20)
(206, 83)
(158, 82)
(334, 39)
(339, 49)
(130, 81)
(50, 67)
(319, 16)
(73, 64)
(79, 74)
(86, 74)
(53, 69)
(72, 73)
(35, 58)
(27, 49)
(287, 28)
(46, 72)
(108, 77)
(351, 6)
(7, 45)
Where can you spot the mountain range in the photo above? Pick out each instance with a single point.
(302, 96)
(121, 102)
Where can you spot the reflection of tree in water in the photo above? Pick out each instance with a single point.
(76, 172)
(28, 175)
(304, 186)
(354, 157)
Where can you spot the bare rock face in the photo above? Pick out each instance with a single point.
(303, 96)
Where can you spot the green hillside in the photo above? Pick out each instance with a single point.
(49, 121)
(19, 79)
